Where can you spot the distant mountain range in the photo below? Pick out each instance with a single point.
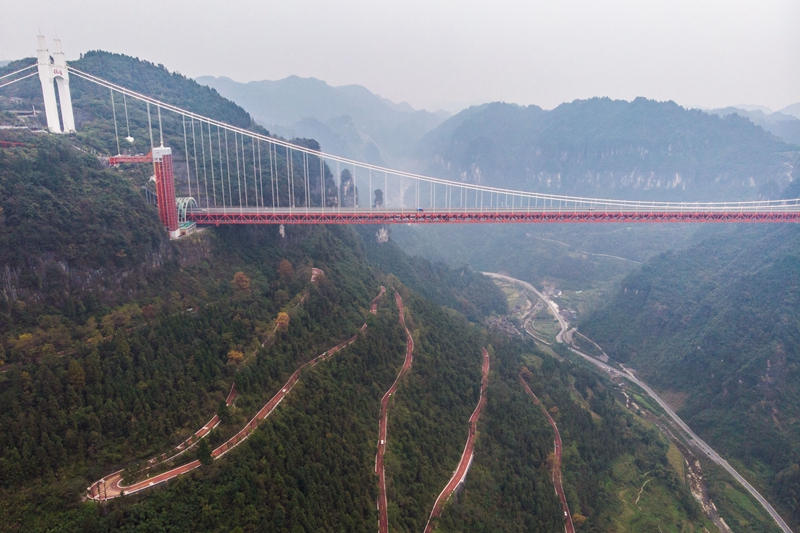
(350, 120)
(793, 110)
(784, 124)
(4, 62)
(642, 149)
(600, 147)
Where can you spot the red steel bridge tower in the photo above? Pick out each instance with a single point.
(165, 190)
(161, 157)
(275, 181)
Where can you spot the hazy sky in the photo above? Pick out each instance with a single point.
(706, 53)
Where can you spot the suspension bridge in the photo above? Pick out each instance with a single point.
(233, 175)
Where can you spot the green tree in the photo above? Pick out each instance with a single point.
(77, 376)
(204, 452)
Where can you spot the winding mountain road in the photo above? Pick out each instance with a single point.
(568, 526)
(383, 519)
(563, 324)
(630, 376)
(696, 441)
(111, 486)
(460, 473)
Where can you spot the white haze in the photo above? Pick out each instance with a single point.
(705, 53)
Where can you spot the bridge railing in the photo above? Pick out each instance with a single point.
(231, 169)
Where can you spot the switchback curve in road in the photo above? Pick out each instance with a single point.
(460, 473)
(383, 518)
(562, 323)
(696, 441)
(110, 486)
(557, 482)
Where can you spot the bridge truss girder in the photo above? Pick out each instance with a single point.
(416, 217)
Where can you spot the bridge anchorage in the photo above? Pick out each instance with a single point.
(237, 176)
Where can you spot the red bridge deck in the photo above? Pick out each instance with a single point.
(316, 216)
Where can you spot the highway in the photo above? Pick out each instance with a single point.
(551, 305)
(383, 518)
(460, 473)
(628, 375)
(568, 525)
(695, 440)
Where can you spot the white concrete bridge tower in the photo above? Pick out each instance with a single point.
(53, 73)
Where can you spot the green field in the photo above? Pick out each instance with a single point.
(646, 504)
(545, 326)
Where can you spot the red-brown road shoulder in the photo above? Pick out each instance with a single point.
(466, 458)
(568, 526)
(110, 486)
(383, 520)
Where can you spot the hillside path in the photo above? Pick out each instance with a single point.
(460, 474)
(383, 520)
(568, 526)
(111, 486)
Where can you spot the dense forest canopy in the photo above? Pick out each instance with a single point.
(117, 344)
(718, 321)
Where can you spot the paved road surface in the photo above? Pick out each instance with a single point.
(383, 519)
(695, 440)
(466, 458)
(568, 526)
(111, 486)
(553, 307)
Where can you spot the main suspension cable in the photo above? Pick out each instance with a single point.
(561, 199)
(6, 84)
(20, 70)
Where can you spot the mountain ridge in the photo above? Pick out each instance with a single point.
(717, 322)
(350, 118)
(642, 149)
(781, 124)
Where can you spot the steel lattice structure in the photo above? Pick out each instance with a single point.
(217, 217)
(238, 176)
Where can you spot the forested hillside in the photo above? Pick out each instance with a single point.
(717, 322)
(783, 125)
(607, 455)
(462, 289)
(642, 149)
(47, 191)
(119, 344)
(91, 388)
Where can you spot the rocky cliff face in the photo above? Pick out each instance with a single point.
(599, 147)
(47, 278)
